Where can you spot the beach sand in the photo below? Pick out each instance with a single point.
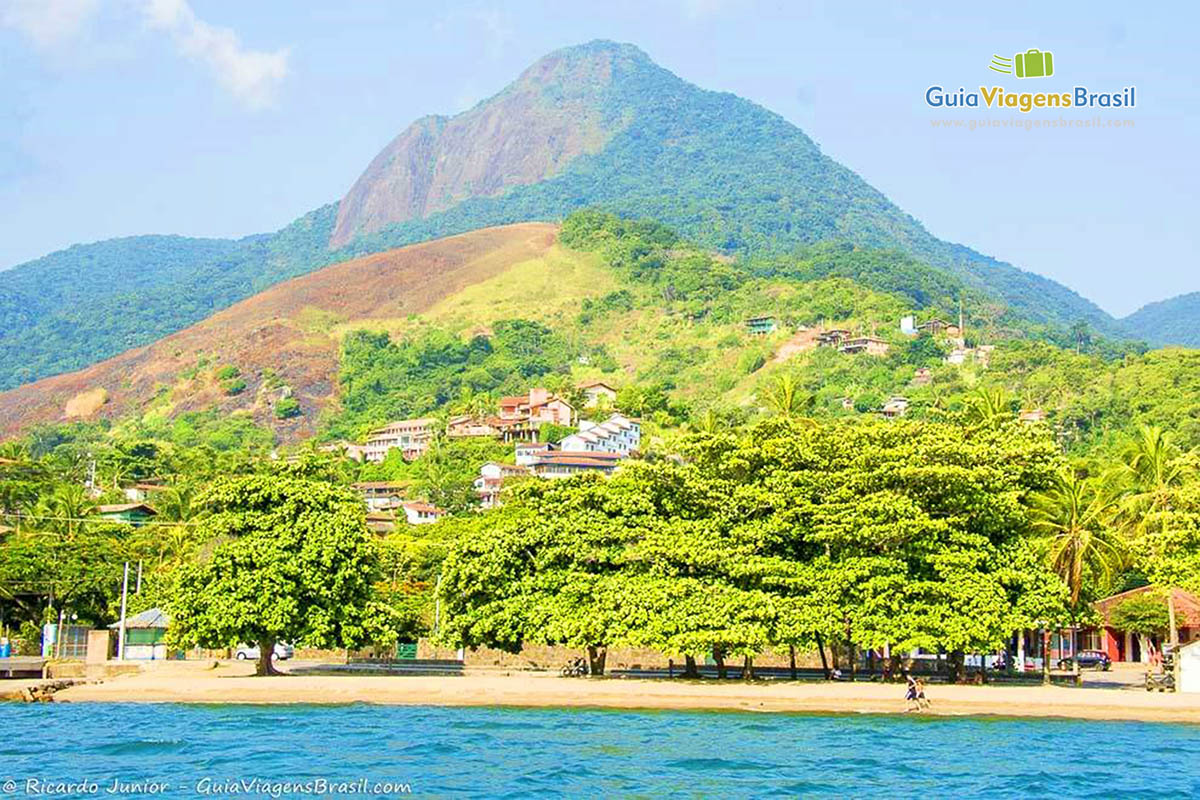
(231, 683)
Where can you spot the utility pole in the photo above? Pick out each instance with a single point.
(139, 579)
(121, 629)
(437, 606)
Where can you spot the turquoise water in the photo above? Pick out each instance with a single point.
(450, 752)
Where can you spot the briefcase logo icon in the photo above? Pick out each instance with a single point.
(1033, 63)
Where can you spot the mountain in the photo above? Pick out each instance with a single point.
(594, 125)
(1175, 321)
(642, 142)
(279, 342)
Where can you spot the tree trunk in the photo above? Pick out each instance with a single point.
(1046, 657)
(748, 669)
(719, 657)
(792, 660)
(1171, 617)
(958, 667)
(596, 653)
(824, 661)
(895, 666)
(266, 655)
(690, 670)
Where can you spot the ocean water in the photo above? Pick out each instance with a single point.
(136, 750)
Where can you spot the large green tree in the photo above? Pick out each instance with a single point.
(291, 560)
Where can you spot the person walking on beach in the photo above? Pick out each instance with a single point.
(910, 695)
(922, 700)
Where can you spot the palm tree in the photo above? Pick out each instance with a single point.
(64, 509)
(1077, 516)
(708, 422)
(787, 399)
(1154, 473)
(987, 406)
(176, 504)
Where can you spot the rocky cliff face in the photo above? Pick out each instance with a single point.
(556, 111)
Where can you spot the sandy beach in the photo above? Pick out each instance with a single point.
(230, 683)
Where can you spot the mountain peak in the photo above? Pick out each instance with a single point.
(558, 109)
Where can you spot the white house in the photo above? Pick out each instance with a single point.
(492, 476)
(418, 513)
(617, 434)
(527, 452)
(1189, 668)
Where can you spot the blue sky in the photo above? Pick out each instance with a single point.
(223, 118)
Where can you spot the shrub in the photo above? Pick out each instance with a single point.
(287, 408)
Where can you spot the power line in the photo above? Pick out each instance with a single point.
(40, 517)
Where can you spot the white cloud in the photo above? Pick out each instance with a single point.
(252, 76)
(47, 22)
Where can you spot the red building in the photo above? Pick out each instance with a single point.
(1127, 646)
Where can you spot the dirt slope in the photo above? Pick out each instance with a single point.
(281, 340)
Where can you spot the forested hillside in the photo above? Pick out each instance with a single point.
(623, 134)
(1175, 321)
(723, 171)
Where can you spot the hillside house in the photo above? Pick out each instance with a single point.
(421, 513)
(127, 513)
(1032, 415)
(410, 436)
(557, 464)
(939, 327)
(833, 338)
(492, 477)
(895, 407)
(538, 407)
(467, 426)
(922, 377)
(597, 392)
(761, 326)
(526, 452)
(380, 495)
(865, 344)
(958, 356)
(908, 326)
(141, 492)
(382, 522)
(618, 434)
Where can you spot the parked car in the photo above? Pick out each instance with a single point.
(1088, 659)
(250, 652)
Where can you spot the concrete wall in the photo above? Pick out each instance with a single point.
(552, 657)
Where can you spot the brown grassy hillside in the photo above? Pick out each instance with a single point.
(282, 340)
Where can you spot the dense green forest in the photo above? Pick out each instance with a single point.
(1170, 322)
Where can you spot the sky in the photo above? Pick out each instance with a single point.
(225, 118)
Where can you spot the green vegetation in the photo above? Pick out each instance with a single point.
(772, 506)
(1169, 322)
(383, 379)
(293, 562)
(731, 176)
(287, 407)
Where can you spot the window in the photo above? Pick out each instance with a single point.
(145, 635)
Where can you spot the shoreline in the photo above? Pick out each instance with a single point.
(227, 684)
